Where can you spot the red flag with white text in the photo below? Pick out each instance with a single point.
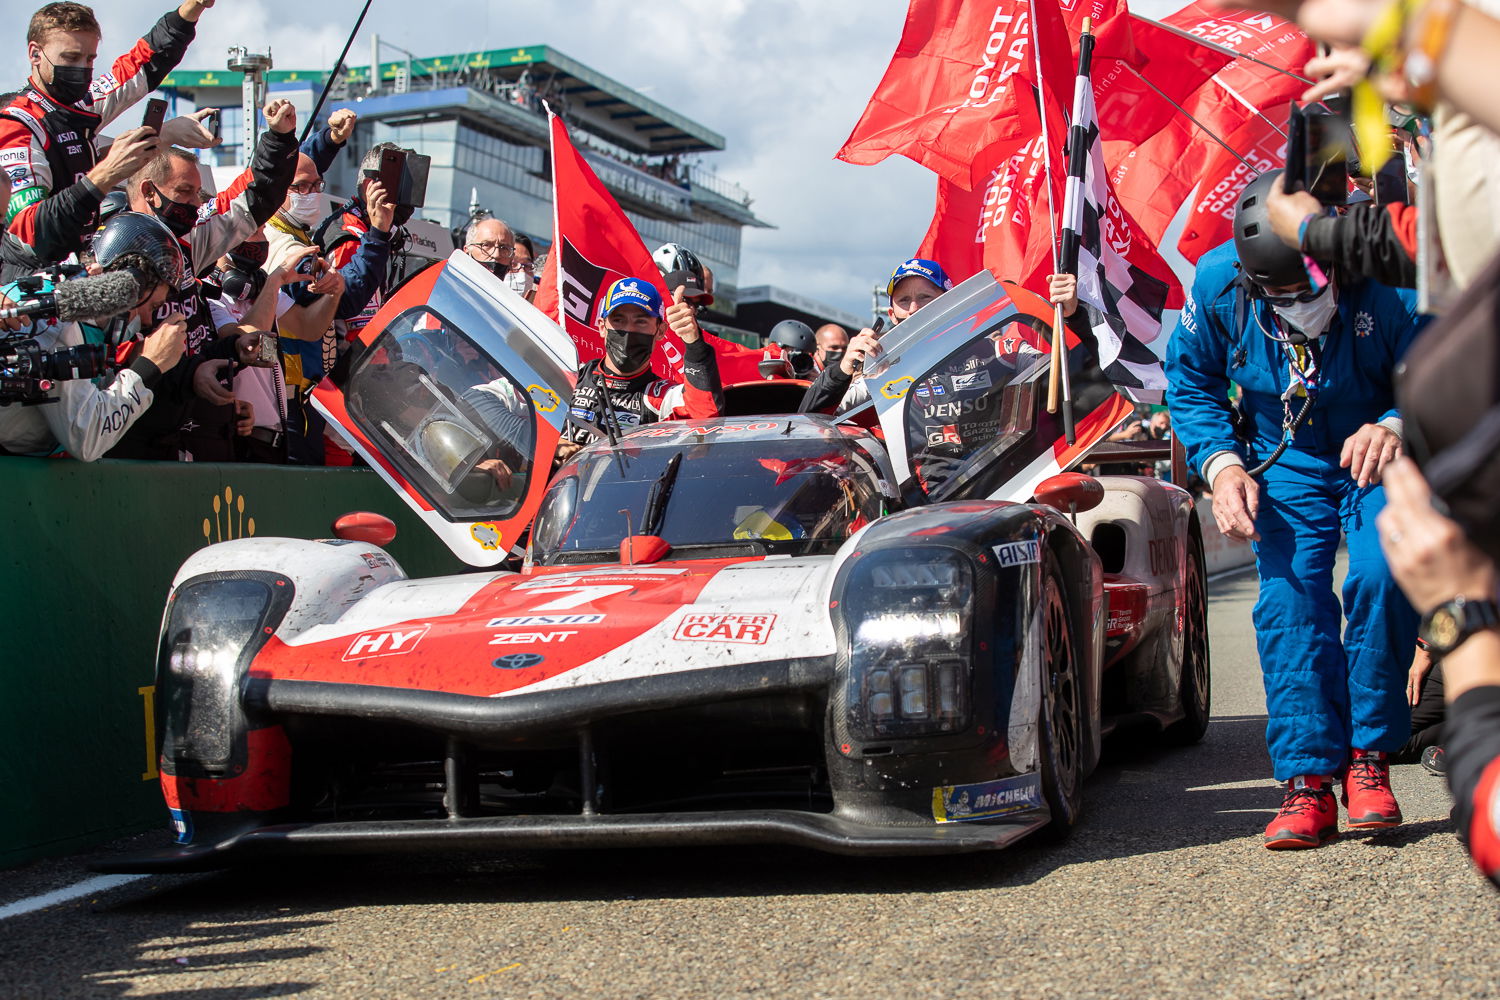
(594, 245)
(1244, 105)
(959, 93)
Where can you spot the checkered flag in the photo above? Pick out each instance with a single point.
(1124, 302)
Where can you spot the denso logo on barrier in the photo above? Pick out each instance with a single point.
(386, 642)
(754, 629)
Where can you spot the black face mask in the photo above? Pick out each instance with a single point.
(628, 352)
(253, 252)
(494, 267)
(178, 216)
(70, 84)
(831, 359)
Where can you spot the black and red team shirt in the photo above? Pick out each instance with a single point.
(644, 398)
(46, 148)
(1473, 750)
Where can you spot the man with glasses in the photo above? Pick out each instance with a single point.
(491, 242)
(1298, 343)
(522, 276)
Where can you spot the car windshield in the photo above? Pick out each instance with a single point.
(455, 426)
(731, 492)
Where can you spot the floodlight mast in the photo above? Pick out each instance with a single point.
(253, 66)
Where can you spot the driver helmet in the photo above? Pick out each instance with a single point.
(1264, 259)
(142, 243)
(679, 266)
(794, 335)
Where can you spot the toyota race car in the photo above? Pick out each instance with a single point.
(790, 628)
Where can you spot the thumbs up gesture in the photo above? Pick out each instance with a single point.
(682, 316)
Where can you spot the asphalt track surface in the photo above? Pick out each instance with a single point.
(1162, 891)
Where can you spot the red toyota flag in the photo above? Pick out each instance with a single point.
(1007, 222)
(1243, 105)
(1251, 33)
(959, 94)
(595, 245)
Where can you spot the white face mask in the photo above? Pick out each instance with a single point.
(519, 281)
(305, 208)
(1311, 318)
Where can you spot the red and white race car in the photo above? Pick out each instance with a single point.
(749, 629)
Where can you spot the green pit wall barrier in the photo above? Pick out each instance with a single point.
(88, 553)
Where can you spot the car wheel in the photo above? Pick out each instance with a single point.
(1196, 685)
(1061, 723)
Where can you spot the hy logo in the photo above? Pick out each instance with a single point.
(229, 521)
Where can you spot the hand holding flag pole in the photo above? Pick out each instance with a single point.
(1059, 347)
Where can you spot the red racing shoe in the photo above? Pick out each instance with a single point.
(1367, 791)
(1309, 816)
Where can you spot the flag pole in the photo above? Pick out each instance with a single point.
(1058, 375)
(1222, 49)
(1077, 170)
(1188, 115)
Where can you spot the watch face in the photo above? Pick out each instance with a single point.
(1442, 629)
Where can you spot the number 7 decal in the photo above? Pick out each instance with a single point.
(576, 595)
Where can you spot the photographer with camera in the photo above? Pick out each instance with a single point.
(69, 409)
(204, 419)
(47, 133)
(1315, 366)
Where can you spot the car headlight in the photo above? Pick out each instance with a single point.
(213, 630)
(909, 615)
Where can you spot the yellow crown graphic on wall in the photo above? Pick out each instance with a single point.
(229, 521)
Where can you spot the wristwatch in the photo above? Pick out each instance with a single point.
(1450, 623)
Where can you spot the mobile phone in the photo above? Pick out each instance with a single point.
(156, 113)
(1294, 179)
(403, 174)
(1328, 154)
(265, 353)
(212, 125)
(1390, 181)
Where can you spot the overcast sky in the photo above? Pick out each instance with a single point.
(782, 80)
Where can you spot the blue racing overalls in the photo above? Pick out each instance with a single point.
(1325, 692)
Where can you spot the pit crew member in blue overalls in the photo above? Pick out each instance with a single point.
(1294, 340)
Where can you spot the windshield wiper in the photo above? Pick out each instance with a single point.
(661, 493)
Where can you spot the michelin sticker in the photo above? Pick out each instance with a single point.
(896, 387)
(1019, 553)
(987, 800)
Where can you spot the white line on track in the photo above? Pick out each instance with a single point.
(99, 883)
(1226, 573)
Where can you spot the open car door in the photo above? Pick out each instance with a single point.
(456, 393)
(961, 391)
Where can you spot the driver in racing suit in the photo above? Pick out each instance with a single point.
(620, 388)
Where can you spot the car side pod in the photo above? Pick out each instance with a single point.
(641, 550)
(365, 526)
(1072, 492)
